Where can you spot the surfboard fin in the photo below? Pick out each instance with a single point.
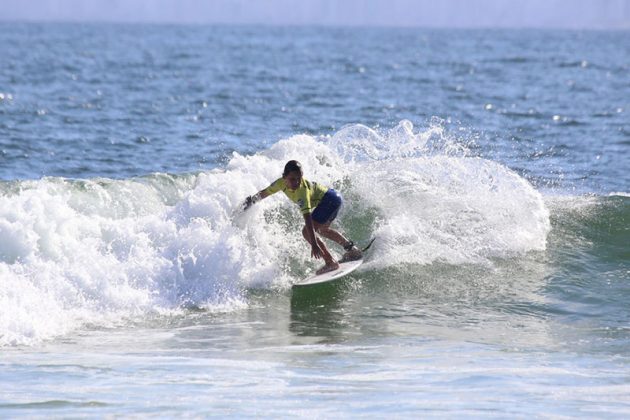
(368, 245)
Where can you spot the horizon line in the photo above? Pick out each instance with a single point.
(623, 27)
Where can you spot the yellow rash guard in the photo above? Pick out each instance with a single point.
(307, 195)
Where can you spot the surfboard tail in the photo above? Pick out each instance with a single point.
(362, 252)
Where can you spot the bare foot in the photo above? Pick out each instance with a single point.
(328, 267)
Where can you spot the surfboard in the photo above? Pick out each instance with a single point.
(344, 269)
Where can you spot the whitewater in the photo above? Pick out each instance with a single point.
(98, 251)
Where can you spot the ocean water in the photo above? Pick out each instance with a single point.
(491, 166)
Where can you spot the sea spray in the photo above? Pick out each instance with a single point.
(436, 202)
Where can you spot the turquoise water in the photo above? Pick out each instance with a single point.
(490, 165)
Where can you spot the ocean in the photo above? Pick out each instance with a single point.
(491, 166)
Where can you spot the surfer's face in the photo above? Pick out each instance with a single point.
(293, 179)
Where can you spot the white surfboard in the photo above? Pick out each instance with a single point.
(344, 269)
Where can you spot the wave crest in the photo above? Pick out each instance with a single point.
(97, 251)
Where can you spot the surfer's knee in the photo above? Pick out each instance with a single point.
(322, 228)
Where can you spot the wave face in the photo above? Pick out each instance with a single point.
(101, 252)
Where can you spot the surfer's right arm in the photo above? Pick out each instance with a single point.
(276, 186)
(253, 199)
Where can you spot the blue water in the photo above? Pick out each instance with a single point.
(490, 164)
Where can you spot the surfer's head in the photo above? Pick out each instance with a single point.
(292, 174)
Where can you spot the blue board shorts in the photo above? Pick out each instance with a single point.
(327, 209)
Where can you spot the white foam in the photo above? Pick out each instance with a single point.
(453, 210)
(100, 251)
(619, 194)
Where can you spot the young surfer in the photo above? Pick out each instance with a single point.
(319, 206)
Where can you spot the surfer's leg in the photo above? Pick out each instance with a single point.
(352, 252)
(323, 215)
(328, 258)
(329, 233)
(331, 263)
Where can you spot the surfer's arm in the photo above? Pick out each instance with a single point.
(316, 251)
(275, 186)
(253, 199)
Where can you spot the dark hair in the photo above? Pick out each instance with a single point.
(292, 166)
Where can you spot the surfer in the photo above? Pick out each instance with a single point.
(319, 206)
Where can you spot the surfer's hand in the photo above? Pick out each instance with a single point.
(316, 252)
(250, 201)
(247, 203)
